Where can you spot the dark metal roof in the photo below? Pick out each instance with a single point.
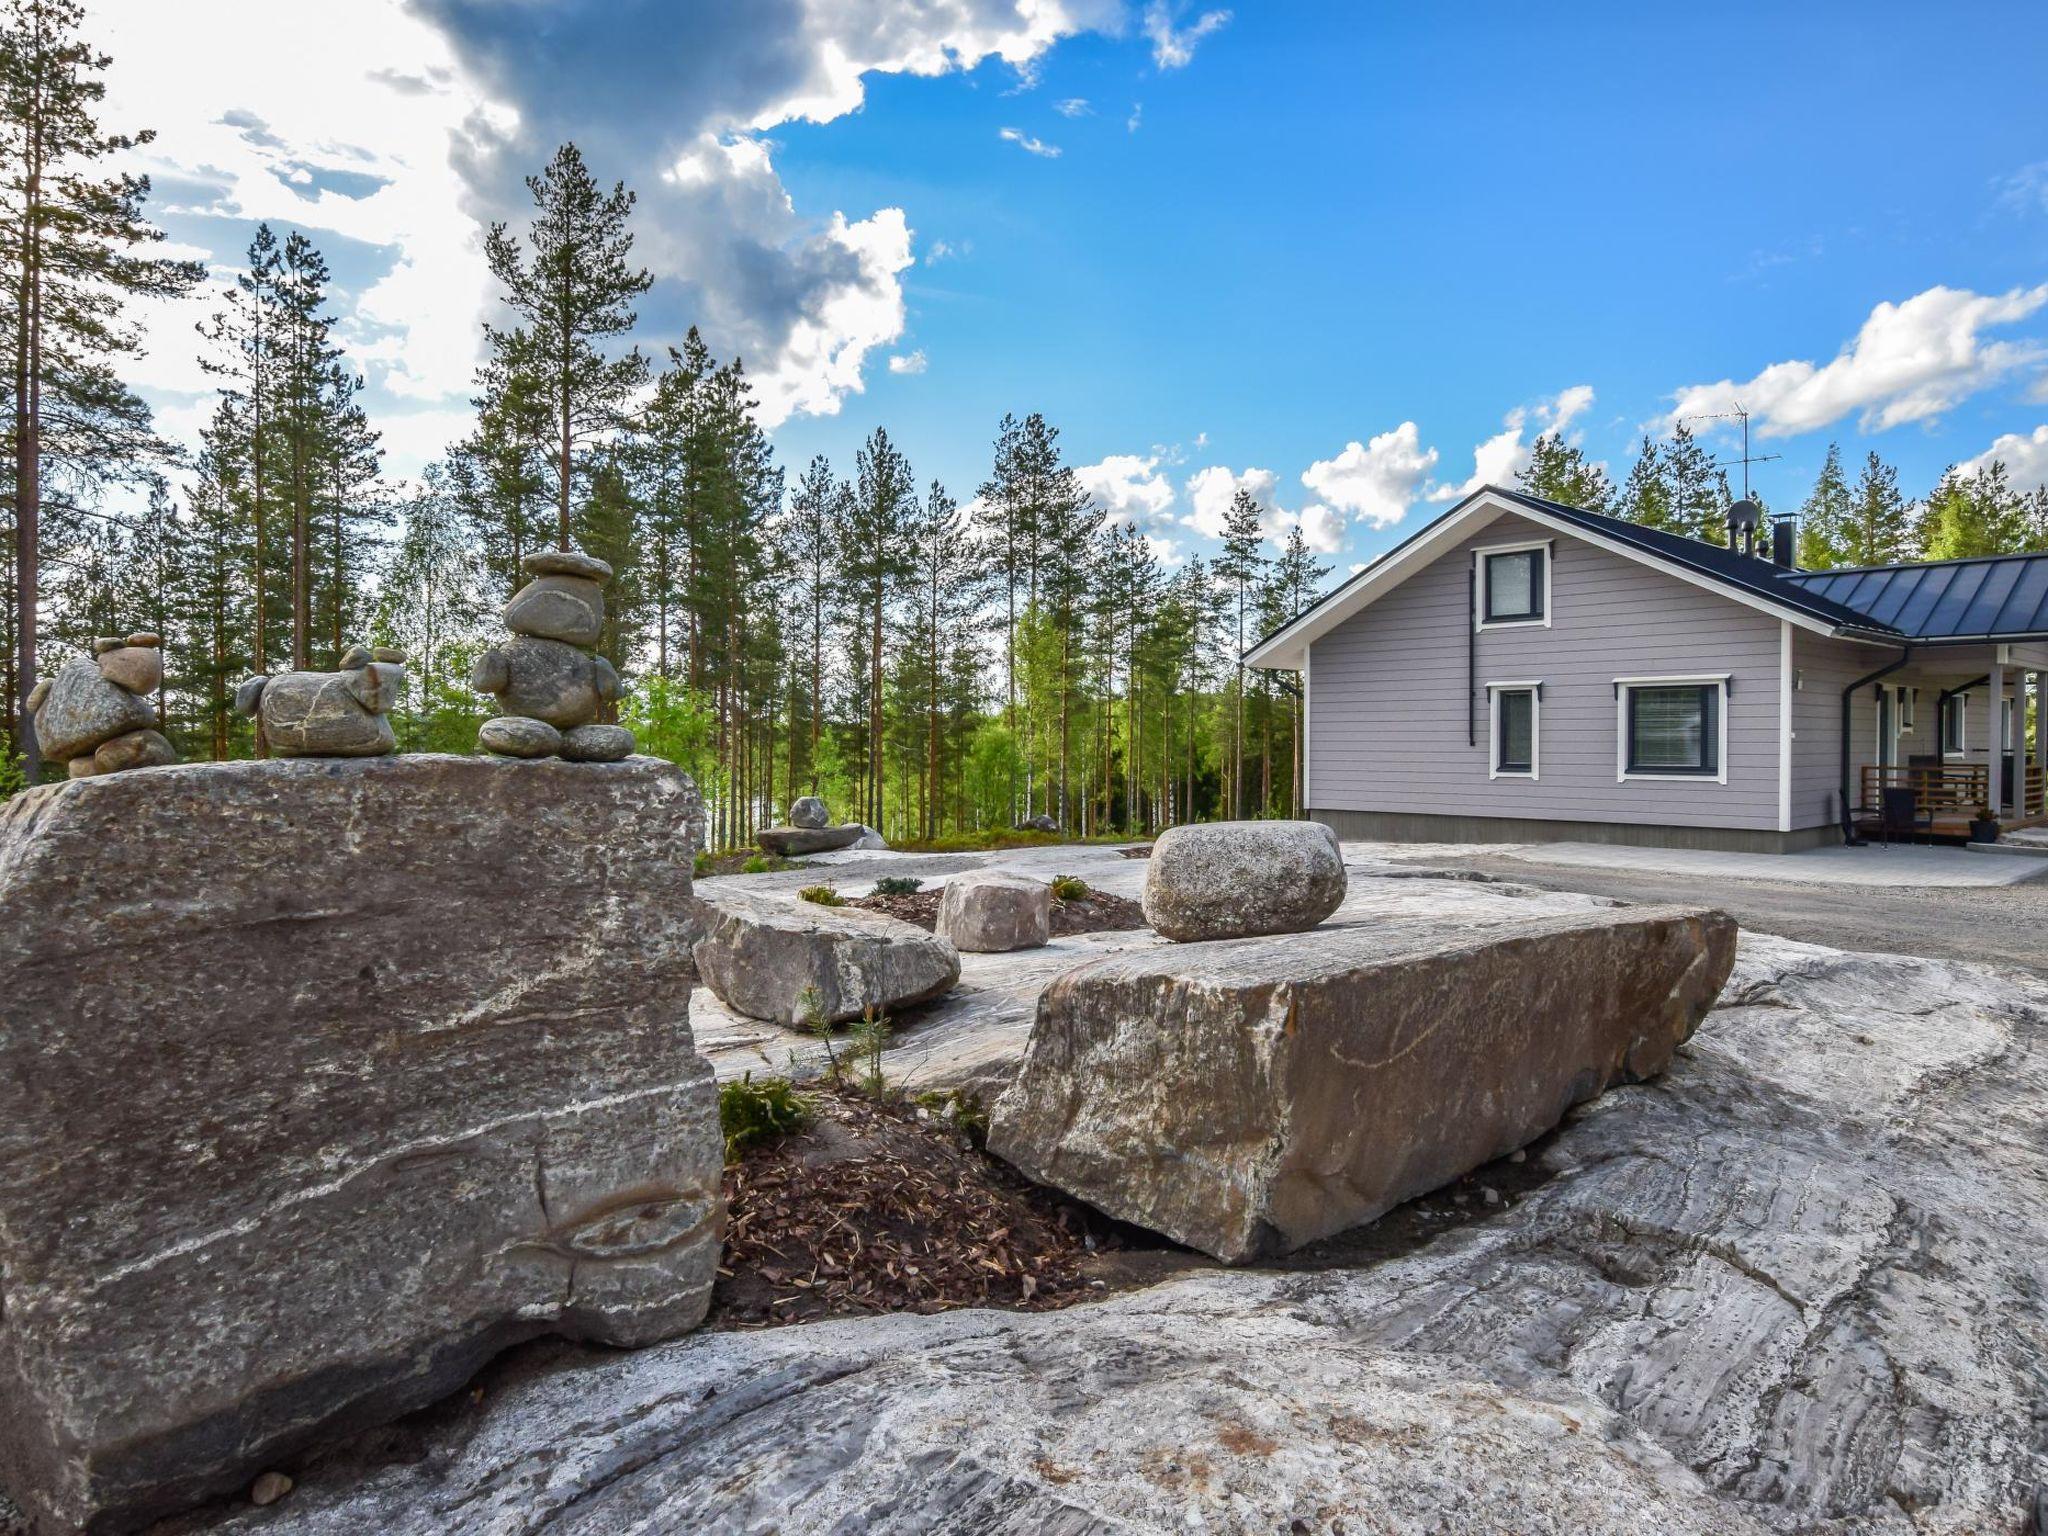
(2002, 597)
(1757, 577)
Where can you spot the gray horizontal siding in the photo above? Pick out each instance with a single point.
(1387, 694)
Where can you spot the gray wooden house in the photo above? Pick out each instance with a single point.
(1521, 670)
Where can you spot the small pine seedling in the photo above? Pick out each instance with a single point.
(870, 1035)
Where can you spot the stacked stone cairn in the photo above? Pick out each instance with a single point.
(548, 683)
(344, 713)
(95, 715)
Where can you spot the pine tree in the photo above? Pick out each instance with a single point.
(1880, 527)
(498, 475)
(1646, 494)
(573, 287)
(1298, 576)
(246, 336)
(876, 565)
(1825, 515)
(1974, 514)
(429, 603)
(1238, 568)
(813, 562)
(76, 251)
(1560, 471)
(1699, 489)
(210, 643)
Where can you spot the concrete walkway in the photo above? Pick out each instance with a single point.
(1873, 867)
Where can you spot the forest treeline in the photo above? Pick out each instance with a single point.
(933, 660)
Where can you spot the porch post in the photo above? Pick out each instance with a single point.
(1994, 736)
(2040, 729)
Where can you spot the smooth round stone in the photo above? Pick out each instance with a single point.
(249, 696)
(566, 608)
(387, 653)
(489, 673)
(82, 709)
(82, 768)
(547, 680)
(1242, 879)
(316, 714)
(566, 562)
(138, 749)
(144, 637)
(355, 656)
(138, 668)
(101, 644)
(809, 811)
(517, 736)
(597, 744)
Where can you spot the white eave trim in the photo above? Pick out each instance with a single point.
(1284, 651)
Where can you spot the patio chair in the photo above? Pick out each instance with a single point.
(1900, 813)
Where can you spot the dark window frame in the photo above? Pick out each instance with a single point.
(1501, 767)
(1709, 766)
(1955, 709)
(1539, 572)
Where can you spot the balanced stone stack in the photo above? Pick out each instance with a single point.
(549, 684)
(344, 713)
(811, 831)
(95, 714)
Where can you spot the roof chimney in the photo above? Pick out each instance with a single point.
(1743, 520)
(1782, 543)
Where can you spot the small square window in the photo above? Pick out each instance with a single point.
(1514, 586)
(1674, 729)
(1514, 732)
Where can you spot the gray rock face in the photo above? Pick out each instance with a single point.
(517, 736)
(137, 668)
(82, 709)
(597, 744)
(317, 714)
(1248, 1098)
(1796, 1284)
(317, 1088)
(759, 954)
(568, 608)
(870, 841)
(1039, 823)
(809, 811)
(987, 912)
(794, 842)
(566, 562)
(1238, 879)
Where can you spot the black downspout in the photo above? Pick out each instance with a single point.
(1849, 836)
(1471, 654)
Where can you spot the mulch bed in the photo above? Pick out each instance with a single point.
(1097, 912)
(875, 1209)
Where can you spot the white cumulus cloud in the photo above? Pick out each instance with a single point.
(1374, 482)
(909, 362)
(1210, 492)
(1503, 456)
(1030, 145)
(1910, 361)
(1129, 486)
(2024, 455)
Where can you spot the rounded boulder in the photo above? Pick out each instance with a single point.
(809, 811)
(597, 744)
(1238, 879)
(989, 912)
(517, 736)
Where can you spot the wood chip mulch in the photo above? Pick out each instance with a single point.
(1097, 912)
(873, 1209)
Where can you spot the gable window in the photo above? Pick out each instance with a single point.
(1517, 709)
(1672, 728)
(1514, 585)
(1952, 724)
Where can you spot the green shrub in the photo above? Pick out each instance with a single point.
(1068, 887)
(750, 1113)
(961, 1110)
(898, 885)
(823, 895)
(701, 865)
(755, 866)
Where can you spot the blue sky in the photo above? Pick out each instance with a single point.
(1349, 255)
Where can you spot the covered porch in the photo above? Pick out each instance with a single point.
(1958, 728)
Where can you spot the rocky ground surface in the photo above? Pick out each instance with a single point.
(1797, 1284)
(1095, 912)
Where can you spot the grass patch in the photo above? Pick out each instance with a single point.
(751, 1113)
(823, 895)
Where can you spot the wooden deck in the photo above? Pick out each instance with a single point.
(1950, 794)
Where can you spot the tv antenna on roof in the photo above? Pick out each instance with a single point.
(1748, 458)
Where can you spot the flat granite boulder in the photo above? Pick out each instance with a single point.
(321, 1082)
(759, 953)
(1247, 1098)
(1239, 879)
(989, 912)
(794, 842)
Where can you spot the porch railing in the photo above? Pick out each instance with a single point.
(2033, 791)
(1953, 789)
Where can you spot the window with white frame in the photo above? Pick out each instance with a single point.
(1953, 723)
(1672, 728)
(1909, 707)
(1515, 728)
(1514, 585)
(2005, 725)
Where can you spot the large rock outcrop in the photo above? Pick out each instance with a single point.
(1798, 1284)
(1247, 1098)
(795, 842)
(321, 1081)
(761, 954)
(1239, 879)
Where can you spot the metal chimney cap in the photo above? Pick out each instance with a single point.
(1745, 514)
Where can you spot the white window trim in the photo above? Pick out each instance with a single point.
(1479, 553)
(1622, 686)
(1907, 708)
(1961, 702)
(1493, 693)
